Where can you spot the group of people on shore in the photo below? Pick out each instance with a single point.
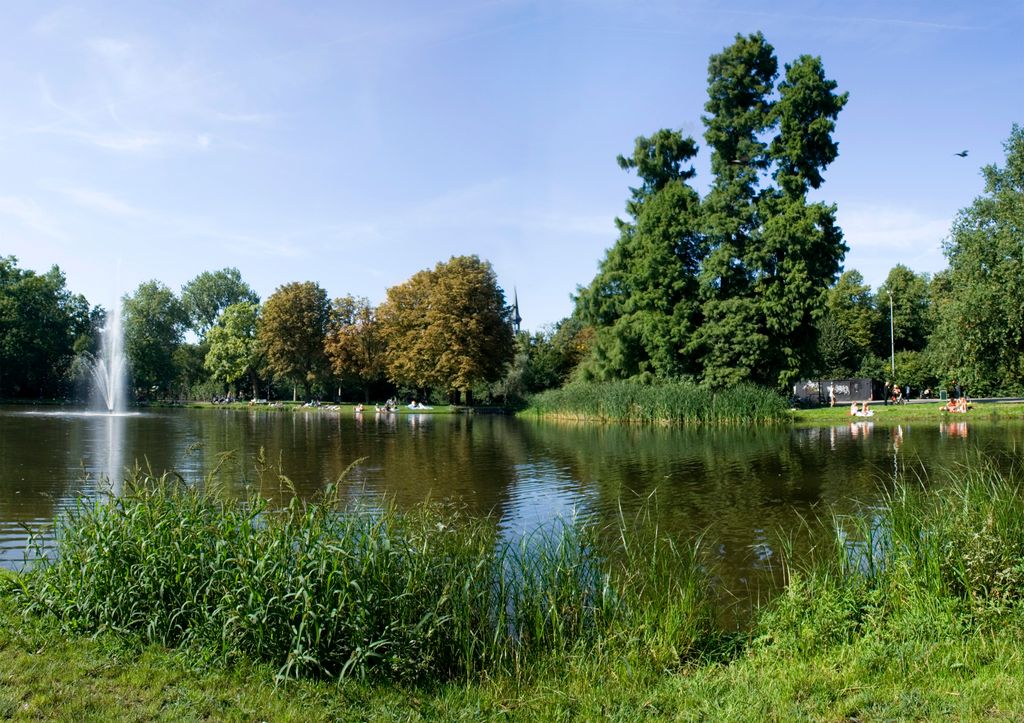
(956, 406)
(860, 409)
(390, 406)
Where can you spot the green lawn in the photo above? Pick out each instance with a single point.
(46, 675)
(896, 414)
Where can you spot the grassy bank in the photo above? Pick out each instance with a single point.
(926, 412)
(912, 614)
(667, 403)
(363, 592)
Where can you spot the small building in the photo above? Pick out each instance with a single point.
(814, 392)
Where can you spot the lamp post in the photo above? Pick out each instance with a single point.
(892, 340)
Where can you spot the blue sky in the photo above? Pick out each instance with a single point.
(356, 143)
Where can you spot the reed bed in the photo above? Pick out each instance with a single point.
(326, 590)
(677, 402)
(938, 561)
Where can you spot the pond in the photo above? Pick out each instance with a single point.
(745, 491)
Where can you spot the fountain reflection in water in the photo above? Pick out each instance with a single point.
(109, 369)
(109, 381)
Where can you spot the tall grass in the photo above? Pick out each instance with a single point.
(937, 562)
(321, 589)
(677, 402)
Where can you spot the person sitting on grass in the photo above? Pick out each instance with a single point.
(956, 406)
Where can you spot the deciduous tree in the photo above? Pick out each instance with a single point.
(849, 327)
(980, 334)
(448, 328)
(355, 342)
(292, 330)
(912, 317)
(209, 293)
(154, 325)
(40, 323)
(234, 353)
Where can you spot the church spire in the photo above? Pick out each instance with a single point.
(516, 318)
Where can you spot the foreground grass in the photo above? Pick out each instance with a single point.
(44, 674)
(918, 614)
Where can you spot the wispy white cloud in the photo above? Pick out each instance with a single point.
(881, 236)
(99, 201)
(130, 96)
(845, 20)
(891, 228)
(30, 215)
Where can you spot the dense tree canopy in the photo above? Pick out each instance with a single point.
(355, 342)
(642, 303)
(912, 319)
(234, 353)
(154, 326)
(209, 293)
(292, 331)
(42, 325)
(448, 328)
(979, 337)
(729, 287)
(848, 328)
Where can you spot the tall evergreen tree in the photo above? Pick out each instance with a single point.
(773, 253)
(731, 287)
(642, 303)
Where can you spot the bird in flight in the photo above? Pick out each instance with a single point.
(962, 154)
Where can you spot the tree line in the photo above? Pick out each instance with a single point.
(745, 283)
(447, 330)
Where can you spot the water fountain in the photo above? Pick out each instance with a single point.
(109, 368)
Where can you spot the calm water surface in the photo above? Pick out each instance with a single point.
(744, 490)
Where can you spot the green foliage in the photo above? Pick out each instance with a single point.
(318, 590)
(355, 342)
(544, 360)
(210, 293)
(848, 328)
(772, 253)
(447, 327)
(731, 287)
(154, 325)
(979, 337)
(190, 371)
(678, 402)
(912, 316)
(641, 303)
(234, 352)
(915, 368)
(42, 327)
(291, 333)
